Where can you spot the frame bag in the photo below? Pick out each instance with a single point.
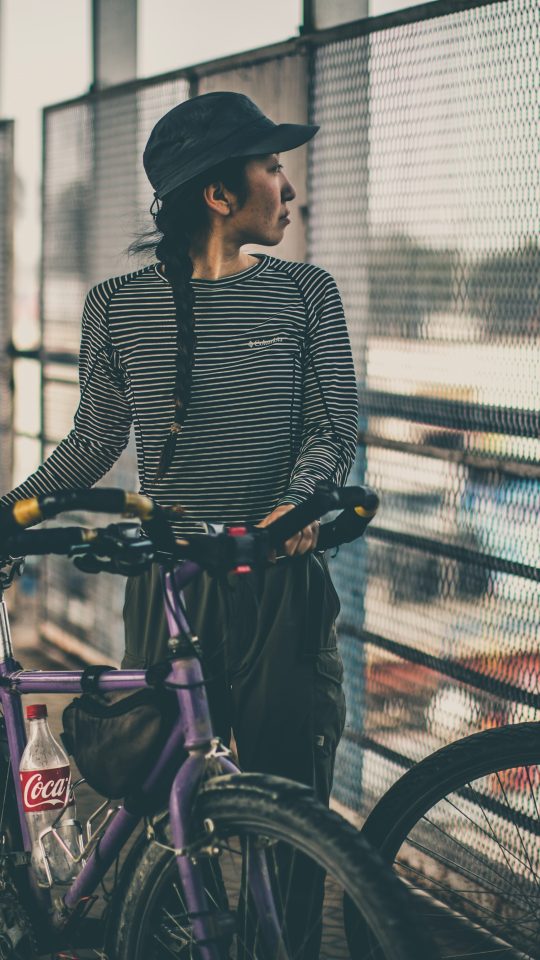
(115, 738)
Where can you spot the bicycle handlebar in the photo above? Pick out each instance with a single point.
(24, 513)
(357, 512)
(58, 540)
(359, 505)
(110, 544)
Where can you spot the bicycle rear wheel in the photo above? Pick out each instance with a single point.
(247, 812)
(463, 827)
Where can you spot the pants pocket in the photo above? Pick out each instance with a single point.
(330, 707)
(329, 583)
(328, 717)
(322, 607)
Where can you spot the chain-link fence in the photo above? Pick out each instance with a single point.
(424, 187)
(7, 189)
(96, 199)
(423, 202)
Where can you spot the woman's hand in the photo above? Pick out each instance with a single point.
(303, 541)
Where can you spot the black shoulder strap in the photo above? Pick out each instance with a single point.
(91, 675)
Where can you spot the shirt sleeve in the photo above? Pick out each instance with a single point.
(330, 404)
(103, 417)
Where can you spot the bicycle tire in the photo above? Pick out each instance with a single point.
(468, 816)
(251, 805)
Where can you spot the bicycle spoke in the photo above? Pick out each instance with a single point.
(501, 928)
(467, 847)
(469, 838)
(176, 920)
(173, 935)
(285, 880)
(518, 831)
(440, 885)
(451, 863)
(478, 827)
(456, 864)
(166, 947)
(532, 793)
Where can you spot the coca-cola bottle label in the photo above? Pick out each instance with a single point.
(45, 789)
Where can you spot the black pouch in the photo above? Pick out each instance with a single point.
(115, 738)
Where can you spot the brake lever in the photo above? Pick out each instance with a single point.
(115, 550)
(16, 568)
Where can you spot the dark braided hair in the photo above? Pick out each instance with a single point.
(183, 214)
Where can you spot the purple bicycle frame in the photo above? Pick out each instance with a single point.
(192, 732)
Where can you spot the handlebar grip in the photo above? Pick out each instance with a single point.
(325, 497)
(24, 513)
(361, 505)
(12, 522)
(38, 542)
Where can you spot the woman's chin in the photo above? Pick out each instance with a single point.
(278, 235)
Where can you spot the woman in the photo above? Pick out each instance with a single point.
(237, 374)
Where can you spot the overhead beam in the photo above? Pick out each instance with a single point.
(114, 42)
(320, 15)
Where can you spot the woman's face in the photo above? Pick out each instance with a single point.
(263, 218)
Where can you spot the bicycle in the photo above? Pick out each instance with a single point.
(463, 827)
(211, 879)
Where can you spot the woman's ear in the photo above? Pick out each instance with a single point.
(217, 198)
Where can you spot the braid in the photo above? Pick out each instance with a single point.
(181, 214)
(173, 251)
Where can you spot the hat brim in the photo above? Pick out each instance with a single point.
(272, 138)
(284, 136)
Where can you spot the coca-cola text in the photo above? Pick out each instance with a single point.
(45, 789)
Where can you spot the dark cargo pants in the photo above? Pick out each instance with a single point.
(269, 640)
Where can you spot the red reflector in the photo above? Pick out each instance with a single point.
(237, 531)
(242, 569)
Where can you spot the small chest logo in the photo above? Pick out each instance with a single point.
(265, 343)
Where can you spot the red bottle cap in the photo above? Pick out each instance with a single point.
(36, 711)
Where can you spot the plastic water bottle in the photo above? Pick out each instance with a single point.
(45, 777)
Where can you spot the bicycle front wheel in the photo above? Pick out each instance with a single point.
(463, 829)
(312, 857)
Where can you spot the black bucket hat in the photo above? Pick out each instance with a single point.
(199, 133)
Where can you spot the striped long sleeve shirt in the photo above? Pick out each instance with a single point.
(273, 404)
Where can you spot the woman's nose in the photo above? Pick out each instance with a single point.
(287, 191)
